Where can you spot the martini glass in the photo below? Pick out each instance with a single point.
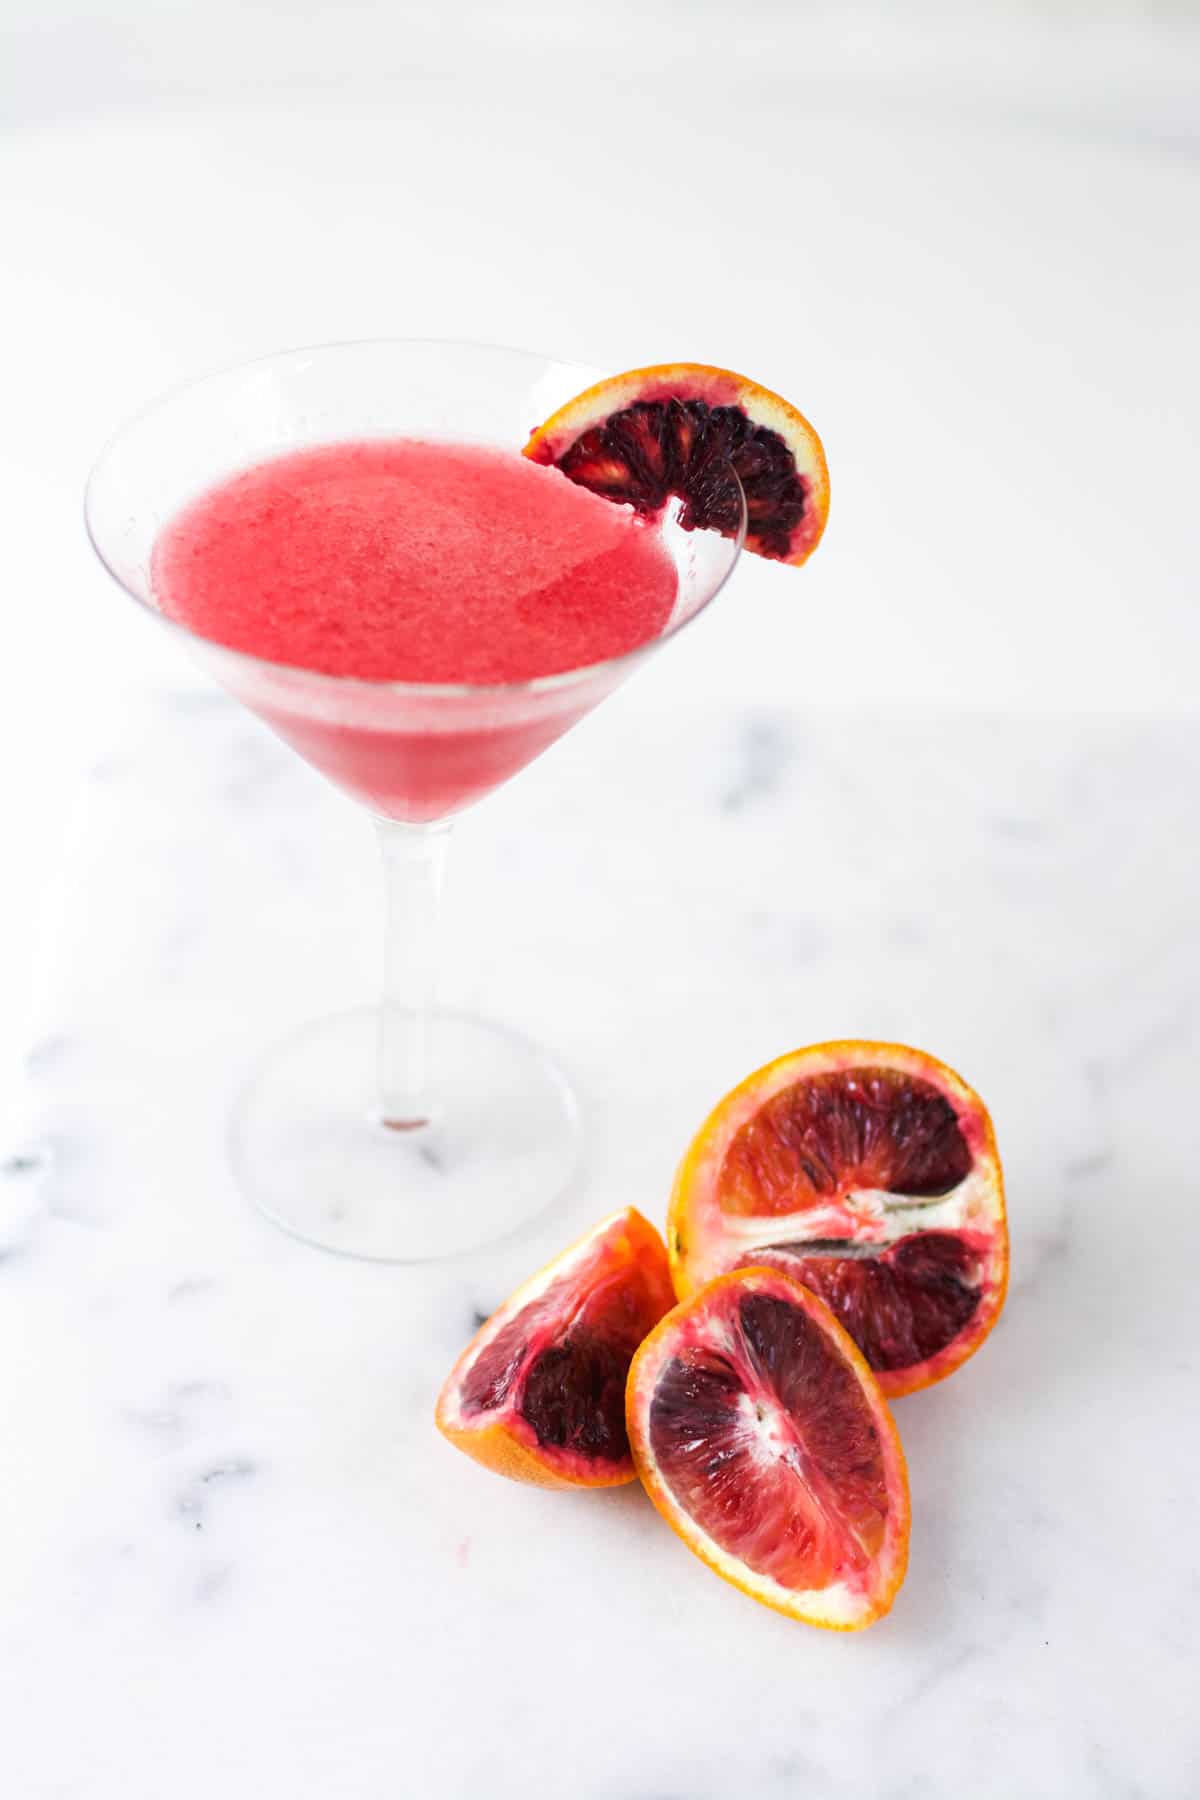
(402, 1132)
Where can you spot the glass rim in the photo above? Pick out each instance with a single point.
(531, 685)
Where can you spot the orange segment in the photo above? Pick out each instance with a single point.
(762, 1438)
(869, 1172)
(539, 1392)
(676, 429)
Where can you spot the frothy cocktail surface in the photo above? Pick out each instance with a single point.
(409, 561)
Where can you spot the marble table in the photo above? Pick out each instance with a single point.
(235, 1557)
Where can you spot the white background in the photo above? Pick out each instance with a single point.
(962, 239)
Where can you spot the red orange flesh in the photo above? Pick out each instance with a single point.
(674, 428)
(762, 1438)
(539, 1392)
(869, 1172)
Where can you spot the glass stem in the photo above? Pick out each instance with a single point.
(414, 866)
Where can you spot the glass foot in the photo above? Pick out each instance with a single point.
(502, 1145)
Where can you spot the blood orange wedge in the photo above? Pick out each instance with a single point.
(762, 1438)
(676, 429)
(539, 1392)
(870, 1173)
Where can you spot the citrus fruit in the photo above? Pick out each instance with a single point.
(870, 1173)
(762, 1438)
(676, 429)
(539, 1392)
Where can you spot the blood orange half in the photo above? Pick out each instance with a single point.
(539, 1392)
(762, 1438)
(675, 429)
(870, 1173)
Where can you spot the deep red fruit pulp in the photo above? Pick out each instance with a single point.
(667, 446)
(867, 1128)
(903, 1304)
(761, 1431)
(562, 1362)
(831, 1134)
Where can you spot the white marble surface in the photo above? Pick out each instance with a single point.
(235, 1558)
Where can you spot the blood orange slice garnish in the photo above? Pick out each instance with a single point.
(676, 429)
(762, 1438)
(870, 1173)
(539, 1392)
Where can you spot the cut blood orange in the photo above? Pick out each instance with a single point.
(870, 1173)
(762, 1438)
(539, 1392)
(676, 429)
